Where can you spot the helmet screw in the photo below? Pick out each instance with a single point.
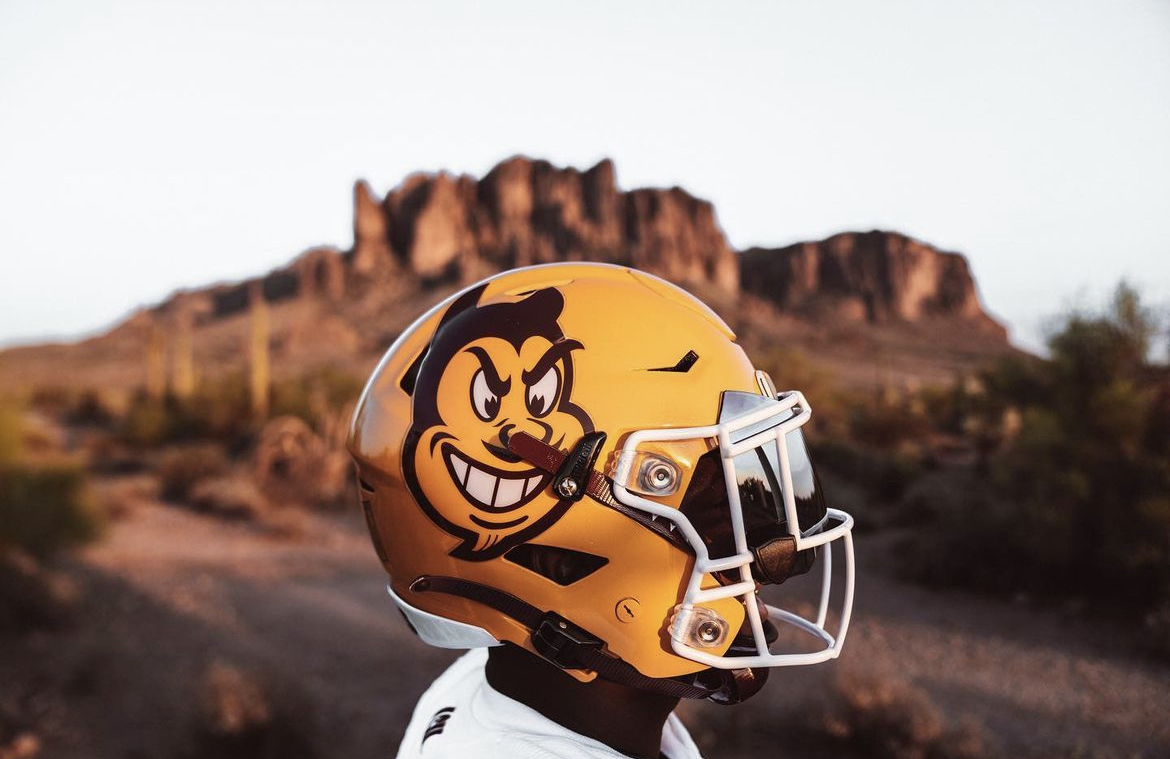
(567, 487)
(709, 632)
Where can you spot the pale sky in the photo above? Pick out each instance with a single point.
(147, 146)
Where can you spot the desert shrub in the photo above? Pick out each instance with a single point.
(231, 497)
(147, 422)
(882, 475)
(888, 426)
(1079, 500)
(964, 536)
(45, 508)
(11, 431)
(52, 399)
(887, 718)
(293, 464)
(791, 369)
(90, 409)
(182, 468)
(217, 411)
(314, 395)
(245, 714)
(221, 409)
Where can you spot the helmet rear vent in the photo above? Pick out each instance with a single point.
(411, 376)
(563, 566)
(683, 366)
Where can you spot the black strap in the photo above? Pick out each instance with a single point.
(558, 640)
(599, 488)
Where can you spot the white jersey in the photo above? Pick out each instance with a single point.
(462, 717)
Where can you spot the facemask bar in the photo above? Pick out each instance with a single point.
(776, 419)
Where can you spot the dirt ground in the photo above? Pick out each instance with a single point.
(170, 596)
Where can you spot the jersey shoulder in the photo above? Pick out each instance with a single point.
(461, 716)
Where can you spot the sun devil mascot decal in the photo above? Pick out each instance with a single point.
(492, 371)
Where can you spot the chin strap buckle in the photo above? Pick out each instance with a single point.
(571, 480)
(562, 642)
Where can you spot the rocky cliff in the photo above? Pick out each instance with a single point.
(444, 229)
(876, 277)
(528, 212)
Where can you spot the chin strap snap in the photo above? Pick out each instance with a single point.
(570, 647)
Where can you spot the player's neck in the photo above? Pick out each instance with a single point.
(623, 718)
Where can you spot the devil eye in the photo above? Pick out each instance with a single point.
(542, 393)
(483, 400)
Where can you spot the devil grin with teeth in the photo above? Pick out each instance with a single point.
(497, 369)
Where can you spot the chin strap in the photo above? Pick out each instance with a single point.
(559, 640)
(569, 647)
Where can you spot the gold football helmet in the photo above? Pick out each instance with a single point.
(579, 459)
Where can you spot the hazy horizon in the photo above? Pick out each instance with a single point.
(156, 147)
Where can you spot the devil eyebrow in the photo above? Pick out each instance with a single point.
(498, 386)
(559, 350)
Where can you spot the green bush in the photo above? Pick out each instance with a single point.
(44, 509)
(218, 411)
(221, 410)
(1079, 500)
(882, 474)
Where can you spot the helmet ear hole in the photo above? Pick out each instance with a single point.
(564, 566)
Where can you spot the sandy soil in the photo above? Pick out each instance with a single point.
(170, 593)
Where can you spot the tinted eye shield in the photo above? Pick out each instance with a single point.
(753, 511)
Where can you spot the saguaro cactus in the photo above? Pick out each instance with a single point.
(156, 362)
(182, 356)
(258, 360)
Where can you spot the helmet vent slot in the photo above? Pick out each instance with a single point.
(366, 496)
(682, 367)
(563, 566)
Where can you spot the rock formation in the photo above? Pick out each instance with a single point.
(875, 277)
(528, 212)
(435, 232)
(440, 228)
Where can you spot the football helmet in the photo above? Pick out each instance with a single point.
(579, 459)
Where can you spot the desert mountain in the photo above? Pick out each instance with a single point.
(870, 308)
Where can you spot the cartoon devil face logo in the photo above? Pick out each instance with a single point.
(492, 371)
